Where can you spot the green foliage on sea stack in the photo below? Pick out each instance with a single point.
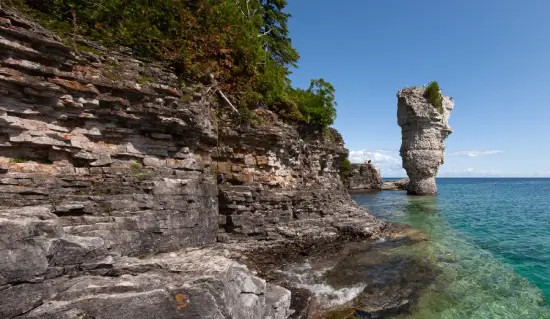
(244, 45)
(433, 94)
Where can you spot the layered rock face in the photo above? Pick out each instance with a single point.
(364, 176)
(104, 166)
(282, 181)
(109, 174)
(424, 129)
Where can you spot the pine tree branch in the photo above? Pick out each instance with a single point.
(240, 9)
(248, 9)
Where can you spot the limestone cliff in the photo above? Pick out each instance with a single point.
(110, 173)
(282, 181)
(104, 166)
(424, 129)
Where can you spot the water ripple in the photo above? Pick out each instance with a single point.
(491, 238)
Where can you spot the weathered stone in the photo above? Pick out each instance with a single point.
(401, 184)
(279, 300)
(76, 86)
(249, 160)
(102, 160)
(262, 160)
(187, 284)
(154, 162)
(423, 130)
(5, 22)
(81, 170)
(20, 299)
(26, 237)
(364, 176)
(161, 136)
(223, 167)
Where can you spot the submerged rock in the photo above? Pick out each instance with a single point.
(424, 127)
(345, 278)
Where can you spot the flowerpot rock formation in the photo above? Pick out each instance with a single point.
(424, 128)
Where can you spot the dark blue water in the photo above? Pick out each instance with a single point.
(490, 237)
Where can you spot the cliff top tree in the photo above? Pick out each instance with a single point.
(244, 44)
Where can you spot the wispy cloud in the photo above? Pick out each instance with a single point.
(476, 153)
(387, 161)
(469, 172)
(474, 172)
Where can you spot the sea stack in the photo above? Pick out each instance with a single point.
(423, 115)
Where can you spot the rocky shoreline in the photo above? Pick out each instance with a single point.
(126, 195)
(347, 277)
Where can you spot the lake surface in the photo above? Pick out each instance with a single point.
(489, 237)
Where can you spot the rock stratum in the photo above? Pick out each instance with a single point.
(111, 174)
(423, 131)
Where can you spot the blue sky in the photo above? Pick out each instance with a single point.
(492, 56)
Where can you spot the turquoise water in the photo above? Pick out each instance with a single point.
(489, 237)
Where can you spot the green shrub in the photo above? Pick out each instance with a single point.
(433, 94)
(345, 167)
(244, 44)
(317, 104)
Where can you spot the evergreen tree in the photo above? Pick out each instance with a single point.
(275, 29)
(244, 44)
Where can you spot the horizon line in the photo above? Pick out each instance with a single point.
(477, 177)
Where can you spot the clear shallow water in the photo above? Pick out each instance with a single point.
(490, 238)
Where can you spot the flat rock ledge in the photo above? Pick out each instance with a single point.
(192, 283)
(401, 184)
(48, 273)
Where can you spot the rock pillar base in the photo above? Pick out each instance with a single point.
(423, 187)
